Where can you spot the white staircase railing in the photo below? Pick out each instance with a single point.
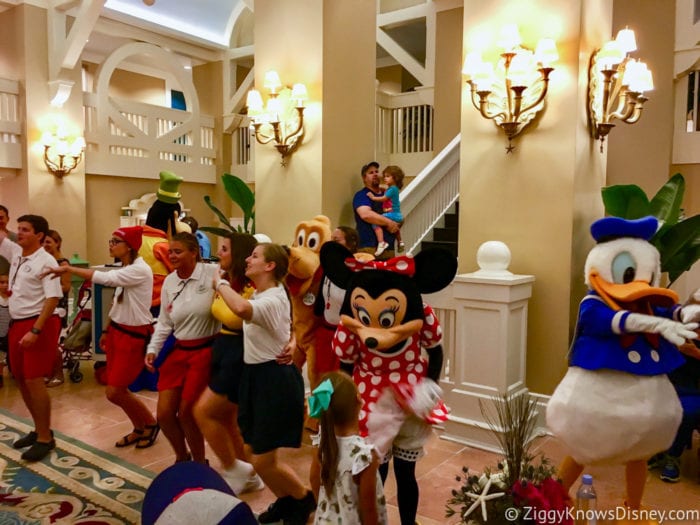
(426, 199)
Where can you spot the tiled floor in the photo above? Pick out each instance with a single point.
(80, 410)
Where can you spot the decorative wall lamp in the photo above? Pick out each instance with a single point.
(514, 92)
(616, 85)
(281, 122)
(61, 156)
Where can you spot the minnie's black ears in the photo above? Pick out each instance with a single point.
(435, 269)
(333, 257)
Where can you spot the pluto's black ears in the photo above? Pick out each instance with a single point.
(333, 257)
(435, 269)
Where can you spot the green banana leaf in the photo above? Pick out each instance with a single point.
(666, 204)
(626, 200)
(242, 195)
(680, 247)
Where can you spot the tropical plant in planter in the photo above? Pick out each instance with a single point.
(522, 489)
(242, 195)
(678, 239)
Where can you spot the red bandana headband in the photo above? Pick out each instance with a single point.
(402, 265)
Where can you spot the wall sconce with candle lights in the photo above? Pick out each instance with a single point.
(512, 93)
(61, 154)
(281, 121)
(616, 85)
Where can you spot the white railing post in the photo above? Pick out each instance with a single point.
(484, 318)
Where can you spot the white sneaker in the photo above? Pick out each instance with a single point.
(402, 247)
(243, 484)
(380, 248)
(253, 484)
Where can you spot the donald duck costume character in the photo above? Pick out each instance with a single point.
(615, 404)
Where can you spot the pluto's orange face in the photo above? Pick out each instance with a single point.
(304, 260)
(379, 322)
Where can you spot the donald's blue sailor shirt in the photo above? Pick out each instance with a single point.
(602, 342)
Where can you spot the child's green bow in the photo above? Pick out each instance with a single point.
(320, 398)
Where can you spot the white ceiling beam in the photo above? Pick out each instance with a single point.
(65, 5)
(123, 30)
(65, 49)
(235, 101)
(403, 15)
(79, 34)
(402, 57)
(240, 52)
(425, 74)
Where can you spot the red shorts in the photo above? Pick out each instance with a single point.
(125, 353)
(326, 359)
(186, 369)
(36, 360)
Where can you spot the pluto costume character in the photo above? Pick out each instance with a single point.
(615, 404)
(384, 336)
(303, 281)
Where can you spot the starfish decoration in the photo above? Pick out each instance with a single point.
(481, 499)
(509, 147)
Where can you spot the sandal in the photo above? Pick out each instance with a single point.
(148, 440)
(132, 437)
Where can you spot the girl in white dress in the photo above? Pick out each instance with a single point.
(345, 472)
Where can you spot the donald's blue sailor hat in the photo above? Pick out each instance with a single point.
(610, 228)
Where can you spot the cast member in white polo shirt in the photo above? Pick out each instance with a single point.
(33, 336)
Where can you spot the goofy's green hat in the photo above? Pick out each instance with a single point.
(168, 189)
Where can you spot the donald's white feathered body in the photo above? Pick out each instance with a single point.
(615, 404)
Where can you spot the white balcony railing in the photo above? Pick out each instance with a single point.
(10, 125)
(142, 139)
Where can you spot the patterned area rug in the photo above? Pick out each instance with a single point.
(75, 484)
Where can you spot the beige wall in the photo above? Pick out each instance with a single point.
(691, 174)
(322, 174)
(33, 189)
(540, 199)
(13, 183)
(448, 77)
(389, 78)
(348, 102)
(653, 134)
(128, 85)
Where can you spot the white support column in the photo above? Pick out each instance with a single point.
(484, 316)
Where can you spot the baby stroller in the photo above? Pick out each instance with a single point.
(75, 345)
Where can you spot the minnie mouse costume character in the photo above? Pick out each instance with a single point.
(384, 334)
(615, 404)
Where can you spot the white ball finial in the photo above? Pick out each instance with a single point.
(493, 257)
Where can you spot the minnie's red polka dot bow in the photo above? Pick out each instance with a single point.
(402, 265)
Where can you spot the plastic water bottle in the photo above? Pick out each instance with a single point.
(586, 502)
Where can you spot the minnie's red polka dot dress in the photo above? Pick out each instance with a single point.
(374, 370)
